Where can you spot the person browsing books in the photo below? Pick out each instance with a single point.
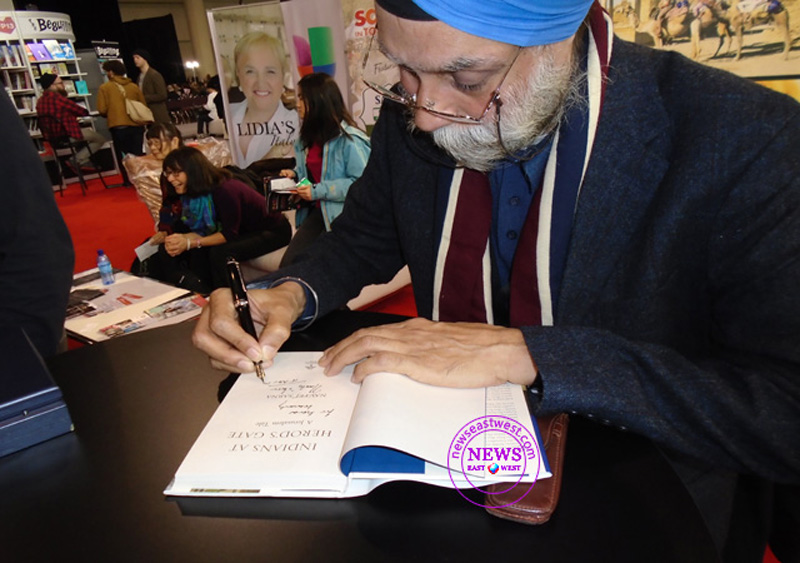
(331, 152)
(220, 217)
(54, 102)
(614, 226)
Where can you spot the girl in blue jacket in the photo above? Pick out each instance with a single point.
(331, 153)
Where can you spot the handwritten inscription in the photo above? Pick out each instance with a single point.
(294, 389)
(292, 408)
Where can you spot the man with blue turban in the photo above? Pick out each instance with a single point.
(616, 227)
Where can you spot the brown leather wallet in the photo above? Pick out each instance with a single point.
(538, 504)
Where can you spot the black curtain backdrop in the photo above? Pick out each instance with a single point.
(158, 37)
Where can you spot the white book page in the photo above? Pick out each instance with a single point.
(283, 437)
(282, 185)
(397, 412)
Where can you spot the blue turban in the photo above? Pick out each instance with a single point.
(517, 22)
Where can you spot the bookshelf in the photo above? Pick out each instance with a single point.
(32, 43)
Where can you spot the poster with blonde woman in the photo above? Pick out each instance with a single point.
(256, 78)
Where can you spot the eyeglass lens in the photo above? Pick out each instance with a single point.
(384, 76)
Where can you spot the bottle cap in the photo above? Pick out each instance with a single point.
(100, 252)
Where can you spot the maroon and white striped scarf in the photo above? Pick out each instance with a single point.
(463, 276)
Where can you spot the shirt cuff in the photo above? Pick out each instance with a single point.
(535, 393)
(309, 314)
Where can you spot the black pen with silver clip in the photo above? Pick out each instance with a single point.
(242, 306)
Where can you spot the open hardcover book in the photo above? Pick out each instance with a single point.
(302, 434)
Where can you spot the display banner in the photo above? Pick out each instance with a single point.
(106, 51)
(359, 20)
(316, 35)
(46, 25)
(255, 67)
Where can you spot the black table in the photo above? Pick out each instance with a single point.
(139, 402)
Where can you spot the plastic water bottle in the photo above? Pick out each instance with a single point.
(104, 265)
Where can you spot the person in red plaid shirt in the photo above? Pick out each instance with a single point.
(55, 103)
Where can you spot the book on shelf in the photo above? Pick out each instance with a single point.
(81, 86)
(25, 104)
(48, 68)
(303, 434)
(13, 56)
(31, 406)
(69, 86)
(29, 53)
(19, 55)
(54, 48)
(10, 57)
(19, 80)
(69, 52)
(40, 52)
(61, 69)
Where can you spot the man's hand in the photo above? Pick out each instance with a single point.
(443, 354)
(219, 334)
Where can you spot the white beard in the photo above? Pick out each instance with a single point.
(530, 109)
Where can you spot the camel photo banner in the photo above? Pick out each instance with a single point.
(751, 38)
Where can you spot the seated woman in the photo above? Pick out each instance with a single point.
(162, 139)
(219, 217)
(145, 171)
(331, 153)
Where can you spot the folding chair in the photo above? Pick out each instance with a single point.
(66, 151)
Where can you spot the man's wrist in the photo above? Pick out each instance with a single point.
(307, 301)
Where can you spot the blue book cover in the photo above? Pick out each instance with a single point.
(54, 48)
(68, 52)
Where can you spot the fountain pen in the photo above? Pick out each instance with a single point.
(242, 306)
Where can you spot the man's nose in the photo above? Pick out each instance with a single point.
(429, 96)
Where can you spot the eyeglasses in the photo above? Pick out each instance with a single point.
(393, 89)
(169, 172)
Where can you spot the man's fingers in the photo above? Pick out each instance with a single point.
(359, 345)
(442, 354)
(219, 335)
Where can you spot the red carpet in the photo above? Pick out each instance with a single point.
(117, 221)
(112, 219)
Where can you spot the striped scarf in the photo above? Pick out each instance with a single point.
(463, 276)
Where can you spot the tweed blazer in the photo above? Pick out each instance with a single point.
(679, 312)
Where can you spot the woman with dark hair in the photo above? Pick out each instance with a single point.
(220, 217)
(331, 154)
